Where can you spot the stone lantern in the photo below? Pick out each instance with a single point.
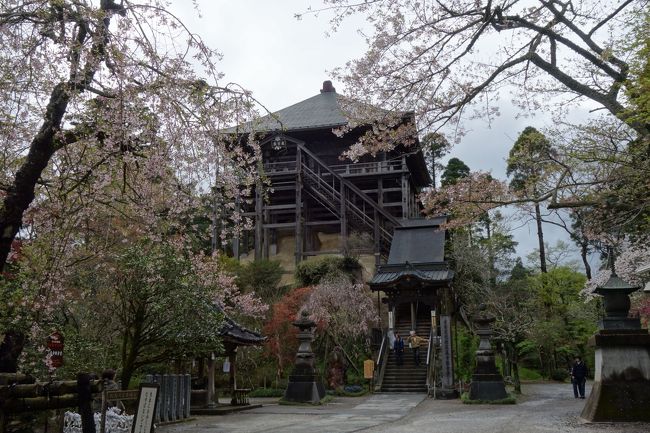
(304, 384)
(487, 382)
(621, 390)
(616, 300)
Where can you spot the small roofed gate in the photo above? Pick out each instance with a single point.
(416, 284)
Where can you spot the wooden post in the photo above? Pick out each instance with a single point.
(413, 316)
(211, 372)
(188, 394)
(266, 237)
(380, 191)
(405, 196)
(258, 220)
(299, 218)
(102, 422)
(344, 221)
(232, 357)
(85, 403)
(235, 240)
(173, 400)
(377, 239)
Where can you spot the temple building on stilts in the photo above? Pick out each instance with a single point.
(320, 203)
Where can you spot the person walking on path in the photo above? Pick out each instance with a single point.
(414, 343)
(579, 377)
(398, 347)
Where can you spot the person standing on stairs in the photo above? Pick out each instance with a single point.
(414, 344)
(398, 347)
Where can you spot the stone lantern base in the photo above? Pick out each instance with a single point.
(621, 390)
(487, 387)
(304, 389)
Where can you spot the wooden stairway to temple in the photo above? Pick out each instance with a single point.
(408, 377)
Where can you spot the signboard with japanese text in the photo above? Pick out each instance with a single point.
(54, 358)
(368, 368)
(446, 355)
(144, 417)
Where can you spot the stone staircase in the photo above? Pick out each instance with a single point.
(408, 377)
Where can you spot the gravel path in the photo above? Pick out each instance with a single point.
(542, 408)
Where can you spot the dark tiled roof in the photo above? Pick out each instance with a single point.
(418, 241)
(327, 109)
(233, 332)
(424, 272)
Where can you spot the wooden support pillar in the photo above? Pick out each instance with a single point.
(266, 235)
(344, 221)
(377, 239)
(211, 394)
(258, 220)
(235, 240)
(232, 357)
(380, 191)
(299, 216)
(405, 196)
(413, 316)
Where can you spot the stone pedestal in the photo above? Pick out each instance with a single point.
(487, 382)
(305, 385)
(621, 390)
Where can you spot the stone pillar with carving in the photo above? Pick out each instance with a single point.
(305, 385)
(487, 382)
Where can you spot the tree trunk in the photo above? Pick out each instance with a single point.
(583, 254)
(515, 372)
(540, 238)
(20, 193)
(10, 350)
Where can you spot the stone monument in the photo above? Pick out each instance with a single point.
(487, 382)
(304, 384)
(621, 390)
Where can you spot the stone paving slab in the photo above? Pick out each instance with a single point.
(543, 408)
(341, 415)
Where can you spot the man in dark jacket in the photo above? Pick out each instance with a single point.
(579, 377)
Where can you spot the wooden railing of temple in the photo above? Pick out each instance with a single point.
(345, 200)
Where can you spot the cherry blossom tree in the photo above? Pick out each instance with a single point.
(103, 81)
(451, 60)
(443, 58)
(111, 128)
(343, 309)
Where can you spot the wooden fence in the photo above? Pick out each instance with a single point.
(174, 398)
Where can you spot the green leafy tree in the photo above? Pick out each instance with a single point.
(434, 146)
(161, 309)
(529, 159)
(455, 170)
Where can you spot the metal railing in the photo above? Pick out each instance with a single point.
(380, 365)
(431, 364)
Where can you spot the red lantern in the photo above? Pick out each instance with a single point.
(55, 349)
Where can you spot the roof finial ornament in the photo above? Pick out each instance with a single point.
(328, 87)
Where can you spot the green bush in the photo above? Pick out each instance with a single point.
(311, 272)
(560, 374)
(267, 392)
(528, 374)
(261, 276)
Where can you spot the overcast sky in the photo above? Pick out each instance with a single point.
(283, 60)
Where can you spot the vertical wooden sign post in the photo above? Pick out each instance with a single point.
(147, 401)
(369, 371)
